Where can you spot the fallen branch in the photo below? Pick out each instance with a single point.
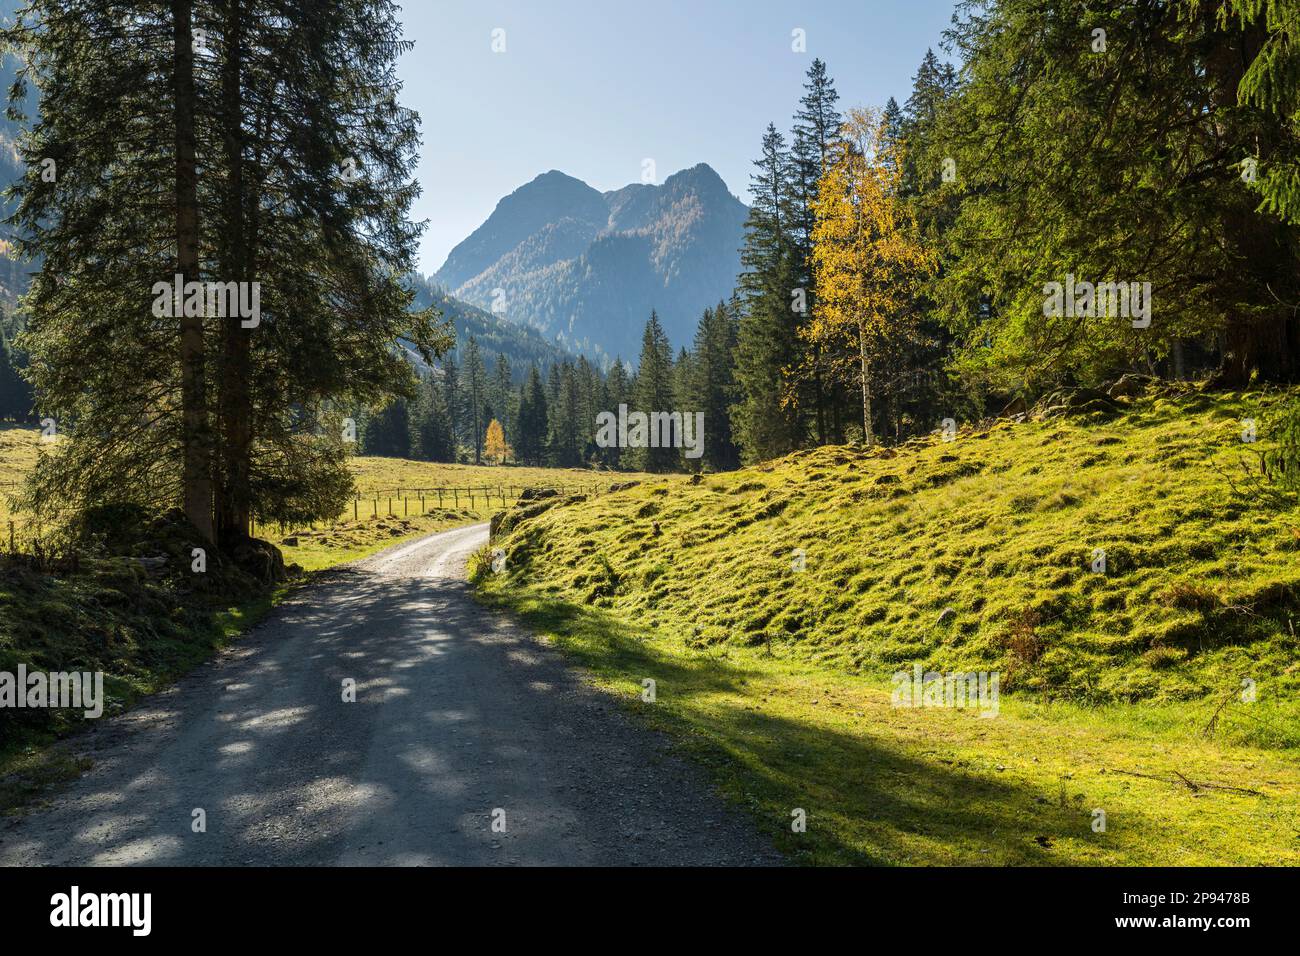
(1213, 725)
(1193, 785)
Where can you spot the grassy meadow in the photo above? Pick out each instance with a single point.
(389, 509)
(17, 456)
(771, 606)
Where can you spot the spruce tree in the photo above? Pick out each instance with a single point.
(15, 393)
(565, 425)
(476, 396)
(682, 376)
(1146, 140)
(387, 432)
(816, 133)
(765, 419)
(711, 385)
(107, 144)
(590, 403)
(454, 400)
(530, 446)
(502, 392)
(430, 429)
(268, 102)
(653, 392)
(617, 391)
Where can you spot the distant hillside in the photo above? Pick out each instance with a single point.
(586, 267)
(521, 345)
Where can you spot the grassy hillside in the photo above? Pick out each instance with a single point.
(966, 555)
(17, 456)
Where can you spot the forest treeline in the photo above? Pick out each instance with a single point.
(549, 417)
(17, 403)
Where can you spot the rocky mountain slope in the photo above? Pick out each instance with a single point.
(586, 267)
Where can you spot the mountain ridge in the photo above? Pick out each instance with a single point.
(586, 268)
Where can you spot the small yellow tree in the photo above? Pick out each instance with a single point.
(867, 257)
(494, 445)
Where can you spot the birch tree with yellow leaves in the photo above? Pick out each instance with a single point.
(867, 256)
(494, 445)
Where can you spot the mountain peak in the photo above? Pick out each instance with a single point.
(553, 177)
(701, 174)
(590, 266)
(545, 200)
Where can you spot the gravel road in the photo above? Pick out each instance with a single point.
(458, 713)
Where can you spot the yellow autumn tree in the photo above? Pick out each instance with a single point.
(494, 445)
(867, 256)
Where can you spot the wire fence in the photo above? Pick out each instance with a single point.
(23, 536)
(405, 502)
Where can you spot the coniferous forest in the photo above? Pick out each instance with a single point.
(1166, 159)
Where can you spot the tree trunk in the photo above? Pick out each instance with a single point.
(196, 479)
(1266, 345)
(478, 435)
(837, 413)
(867, 439)
(821, 395)
(234, 493)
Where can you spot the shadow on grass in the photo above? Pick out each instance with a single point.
(869, 799)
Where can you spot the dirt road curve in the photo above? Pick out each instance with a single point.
(457, 714)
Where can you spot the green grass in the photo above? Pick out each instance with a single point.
(779, 680)
(390, 509)
(18, 446)
(389, 473)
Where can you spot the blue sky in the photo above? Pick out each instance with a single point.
(594, 88)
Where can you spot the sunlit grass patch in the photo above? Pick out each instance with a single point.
(1130, 598)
